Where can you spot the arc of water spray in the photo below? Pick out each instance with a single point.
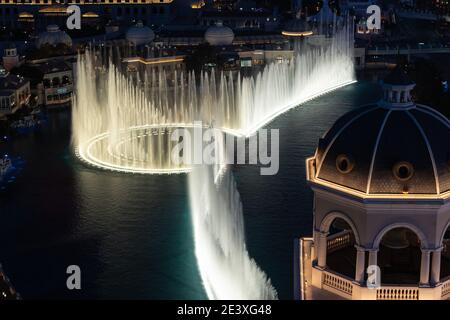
(226, 268)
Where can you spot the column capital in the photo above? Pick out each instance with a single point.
(437, 249)
(360, 248)
(323, 233)
(426, 250)
(372, 250)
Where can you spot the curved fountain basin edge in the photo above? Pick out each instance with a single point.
(84, 153)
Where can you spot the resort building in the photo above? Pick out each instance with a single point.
(40, 13)
(359, 7)
(381, 183)
(57, 83)
(51, 81)
(14, 92)
(11, 58)
(241, 19)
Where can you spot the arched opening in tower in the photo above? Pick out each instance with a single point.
(399, 257)
(341, 251)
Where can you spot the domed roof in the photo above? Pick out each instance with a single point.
(53, 36)
(140, 34)
(377, 150)
(219, 35)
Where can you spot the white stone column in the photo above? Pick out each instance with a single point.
(316, 245)
(436, 266)
(373, 254)
(360, 264)
(322, 253)
(425, 268)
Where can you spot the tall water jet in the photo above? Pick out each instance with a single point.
(226, 269)
(314, 71)
(119, 118)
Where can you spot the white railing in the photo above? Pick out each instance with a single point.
(338, 283)
(339, 241)
(398, 293)
(445, 289)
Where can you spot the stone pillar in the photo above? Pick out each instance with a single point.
(425, 268)
(373, 254)
(322, 250)
(316, 245)
(360, 264)
(436, 266)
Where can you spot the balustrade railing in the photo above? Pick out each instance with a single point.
(339, 283)
(445, 289)
(398, 293)
(339, 241)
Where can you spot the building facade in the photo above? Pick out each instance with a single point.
(40, 13)
(57, 83)
(14, 92)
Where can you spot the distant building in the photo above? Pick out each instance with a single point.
(241, 20)
(262, 57)
(51, 81)
(14, 92)
(53, 37)
(140, 34)
(359, 7)
(41, 13)
(11, 58)
(166, 66)
(219, 35)
(57, 83)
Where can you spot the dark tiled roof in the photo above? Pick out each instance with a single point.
(53, 66)
(377, 138)
(12, 82)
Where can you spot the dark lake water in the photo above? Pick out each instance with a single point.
(131, 235)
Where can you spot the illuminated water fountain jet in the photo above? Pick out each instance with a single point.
(226, 269)
(120, 121)
(123, 123)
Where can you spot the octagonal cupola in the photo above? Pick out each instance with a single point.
(397, 89)
(390, 149)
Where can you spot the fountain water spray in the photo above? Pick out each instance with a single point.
(226, 269)
(120, 122)
(123, 123)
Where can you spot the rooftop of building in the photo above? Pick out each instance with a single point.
(12, 82)
(387, 148)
